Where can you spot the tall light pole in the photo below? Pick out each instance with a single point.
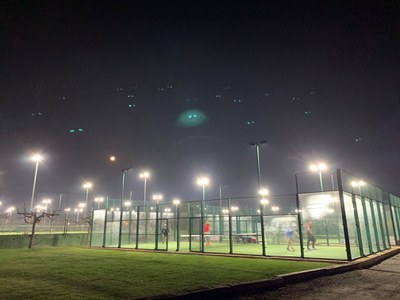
(37, 158)
(144, 175)
(87, 186)
(121, 205)
(203, 182)
(257, 145)
(320, 167)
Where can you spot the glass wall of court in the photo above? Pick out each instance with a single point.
(329, 217)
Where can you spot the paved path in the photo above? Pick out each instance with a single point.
(379, 282)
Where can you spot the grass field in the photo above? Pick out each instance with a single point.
(334, 251)
(84, 273)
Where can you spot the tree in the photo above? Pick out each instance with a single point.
(34, 218)
(86, 221)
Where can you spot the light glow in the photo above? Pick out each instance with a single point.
(144, 175)
(263, 192)
(87, 185)
(203, 181)
(318, 167)
(37, 158)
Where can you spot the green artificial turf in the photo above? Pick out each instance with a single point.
(84, 273)
(334, 251)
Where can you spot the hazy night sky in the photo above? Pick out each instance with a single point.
(317, 79)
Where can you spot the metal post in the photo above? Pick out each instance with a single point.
(202, 220)
(130, 225)
(299, 217)
(145, 209)
(356, 219)
(221, 222)
(91, 227)
(137, 226)
(344, 220)
(261, 206)
(177, 228)
(34, 185)
(121, 210)
(230, 227)
(393, 219)
(190, 227)
(156, 242)
(257, 145)
(105, 224)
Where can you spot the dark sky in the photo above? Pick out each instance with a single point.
(318, 79)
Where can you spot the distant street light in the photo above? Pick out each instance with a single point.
(359, 184)
(263, 192)
(320, 167)
(144, 175)
(78, 211)
(234, 208)
(203, 182)
(46, 203)
(87, 186)
(275, 208)
(98, 200)
(37, 158)
(157, 197)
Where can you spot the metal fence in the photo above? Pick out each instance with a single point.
(344, 220)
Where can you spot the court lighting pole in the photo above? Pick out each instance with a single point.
(37, 158)
(121, 206)
(257, 145)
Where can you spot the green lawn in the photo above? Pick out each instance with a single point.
(84, 273)
(334, 251)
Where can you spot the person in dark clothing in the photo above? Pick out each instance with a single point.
(310, 236)
(164, 233)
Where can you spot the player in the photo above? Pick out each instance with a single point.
(310, 236)
(206, 231)
(290, 233)
(164, 233)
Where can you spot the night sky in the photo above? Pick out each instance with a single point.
(181, 88)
